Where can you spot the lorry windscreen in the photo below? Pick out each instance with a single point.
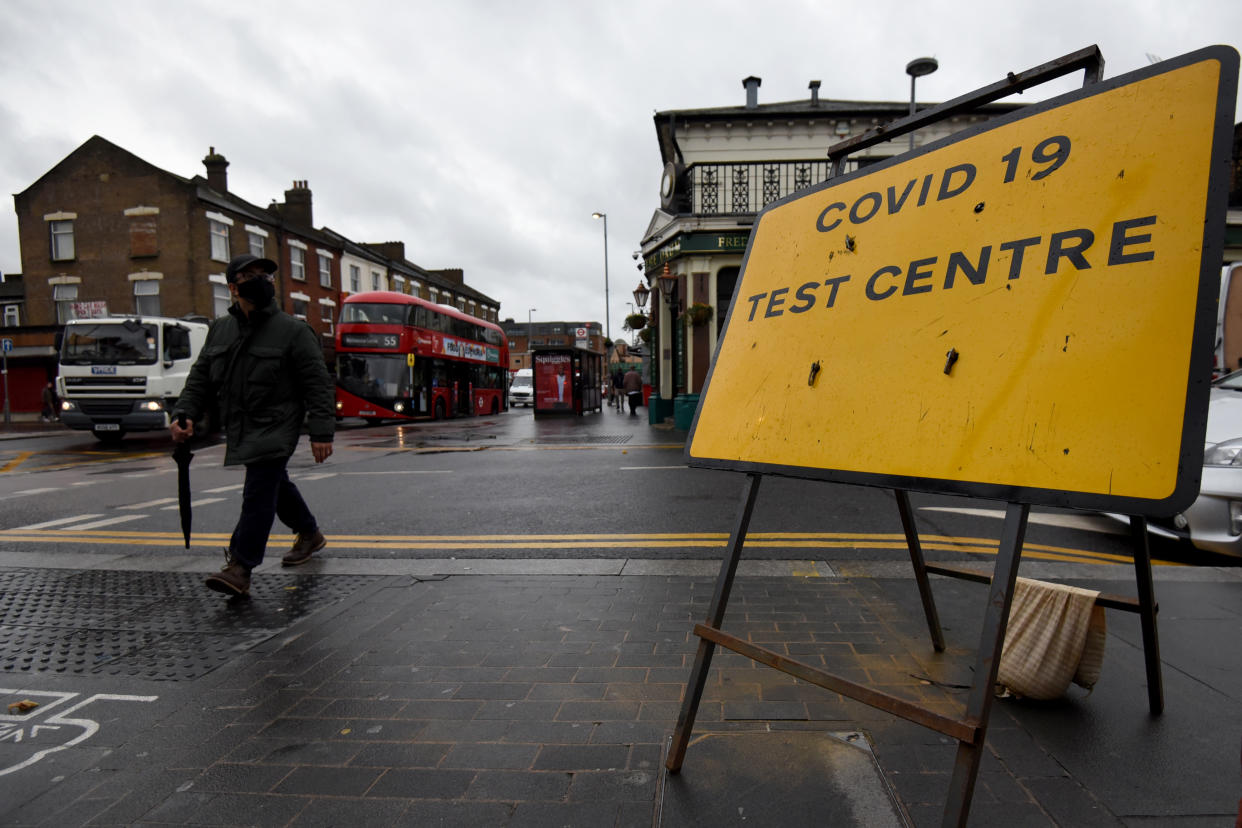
(110, 343)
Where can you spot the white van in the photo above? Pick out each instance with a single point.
(522, 389)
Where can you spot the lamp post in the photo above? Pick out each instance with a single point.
(607, 321)
(530, 332)
(916, 69)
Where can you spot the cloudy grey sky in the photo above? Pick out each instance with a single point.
(484, 134)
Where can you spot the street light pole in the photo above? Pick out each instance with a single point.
(530, 331)
(607, 321)
(916, 69)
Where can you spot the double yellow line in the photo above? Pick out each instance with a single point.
(841, 541)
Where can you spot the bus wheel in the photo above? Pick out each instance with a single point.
(439, 410)
(495, 407)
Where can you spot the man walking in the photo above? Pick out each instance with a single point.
(632, 384)
(265, 369)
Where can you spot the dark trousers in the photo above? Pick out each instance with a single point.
(267, 495)
(636, 397)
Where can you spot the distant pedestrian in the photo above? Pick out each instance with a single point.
(49, 402)
(632, 384)
(614, 398)
(266, 370)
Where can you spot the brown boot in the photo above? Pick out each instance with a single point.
(233, 579)
(303, 547)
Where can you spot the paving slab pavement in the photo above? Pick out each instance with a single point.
(542, 697)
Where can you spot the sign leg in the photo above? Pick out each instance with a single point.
(715, 616)
(920, 568)
(1147, 614)
(987, 664)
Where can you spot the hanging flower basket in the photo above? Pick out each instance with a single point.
(645, 335)
(697, 314)
(635, 322)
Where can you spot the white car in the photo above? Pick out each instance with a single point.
(1214, 521)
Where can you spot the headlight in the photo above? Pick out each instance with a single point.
(399, 407)
(151, 405)
(339, 405)
(68, 405)
(1228, 453)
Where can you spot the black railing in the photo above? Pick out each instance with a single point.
(731, 189)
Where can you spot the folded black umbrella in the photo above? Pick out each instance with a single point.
(183, 456)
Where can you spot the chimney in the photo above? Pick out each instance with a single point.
(298, 204)
(814, 86)
(454, 275)
(217, 171)
(752, 91)
(393, 250)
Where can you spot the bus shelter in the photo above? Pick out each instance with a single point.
(568, 380)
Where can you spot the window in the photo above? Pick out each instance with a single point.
(325, 270)
(299, 308)
(64, 296)
(219, 240)
(12, 317)
(355, 279)
(297, 261)
(62, 240)
(143, 240)
(176, 342)
(435, 294)
(258, 245)
(416, 288)
(375, 280)
(220, 299)
(147, 297)
(325, 315)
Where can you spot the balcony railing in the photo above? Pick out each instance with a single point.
(732, 189)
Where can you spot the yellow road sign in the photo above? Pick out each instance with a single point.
(1023, 311)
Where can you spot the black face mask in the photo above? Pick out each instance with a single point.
(257, 291)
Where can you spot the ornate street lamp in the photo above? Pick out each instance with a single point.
(640, 294)
(668, 287)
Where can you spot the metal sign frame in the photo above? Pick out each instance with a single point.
(722, 437)
(970, 728)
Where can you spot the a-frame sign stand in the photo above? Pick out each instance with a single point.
(727, 436)
(971, 729)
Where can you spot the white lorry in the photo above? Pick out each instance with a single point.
(123, 374)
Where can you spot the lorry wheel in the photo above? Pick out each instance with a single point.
(108, 436)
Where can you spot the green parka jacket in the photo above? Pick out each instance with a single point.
(266, 373)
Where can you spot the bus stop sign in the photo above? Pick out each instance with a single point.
(1022, 311)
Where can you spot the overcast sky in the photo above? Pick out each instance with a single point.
(484, 134)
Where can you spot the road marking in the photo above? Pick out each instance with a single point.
(219, 489)
(652, 468)
(315, 476)
(99, 524)
(13, 728)
(405, 471)
(194, 503)
(700, 540)
(1087, 523)
(29, 492)
(149, 503)
(16, 461)
(50, 523)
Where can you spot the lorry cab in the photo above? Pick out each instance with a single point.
(123, 374)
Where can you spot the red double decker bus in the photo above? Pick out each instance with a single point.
(402, 357)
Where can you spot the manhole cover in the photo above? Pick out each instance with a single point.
(156, 625)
